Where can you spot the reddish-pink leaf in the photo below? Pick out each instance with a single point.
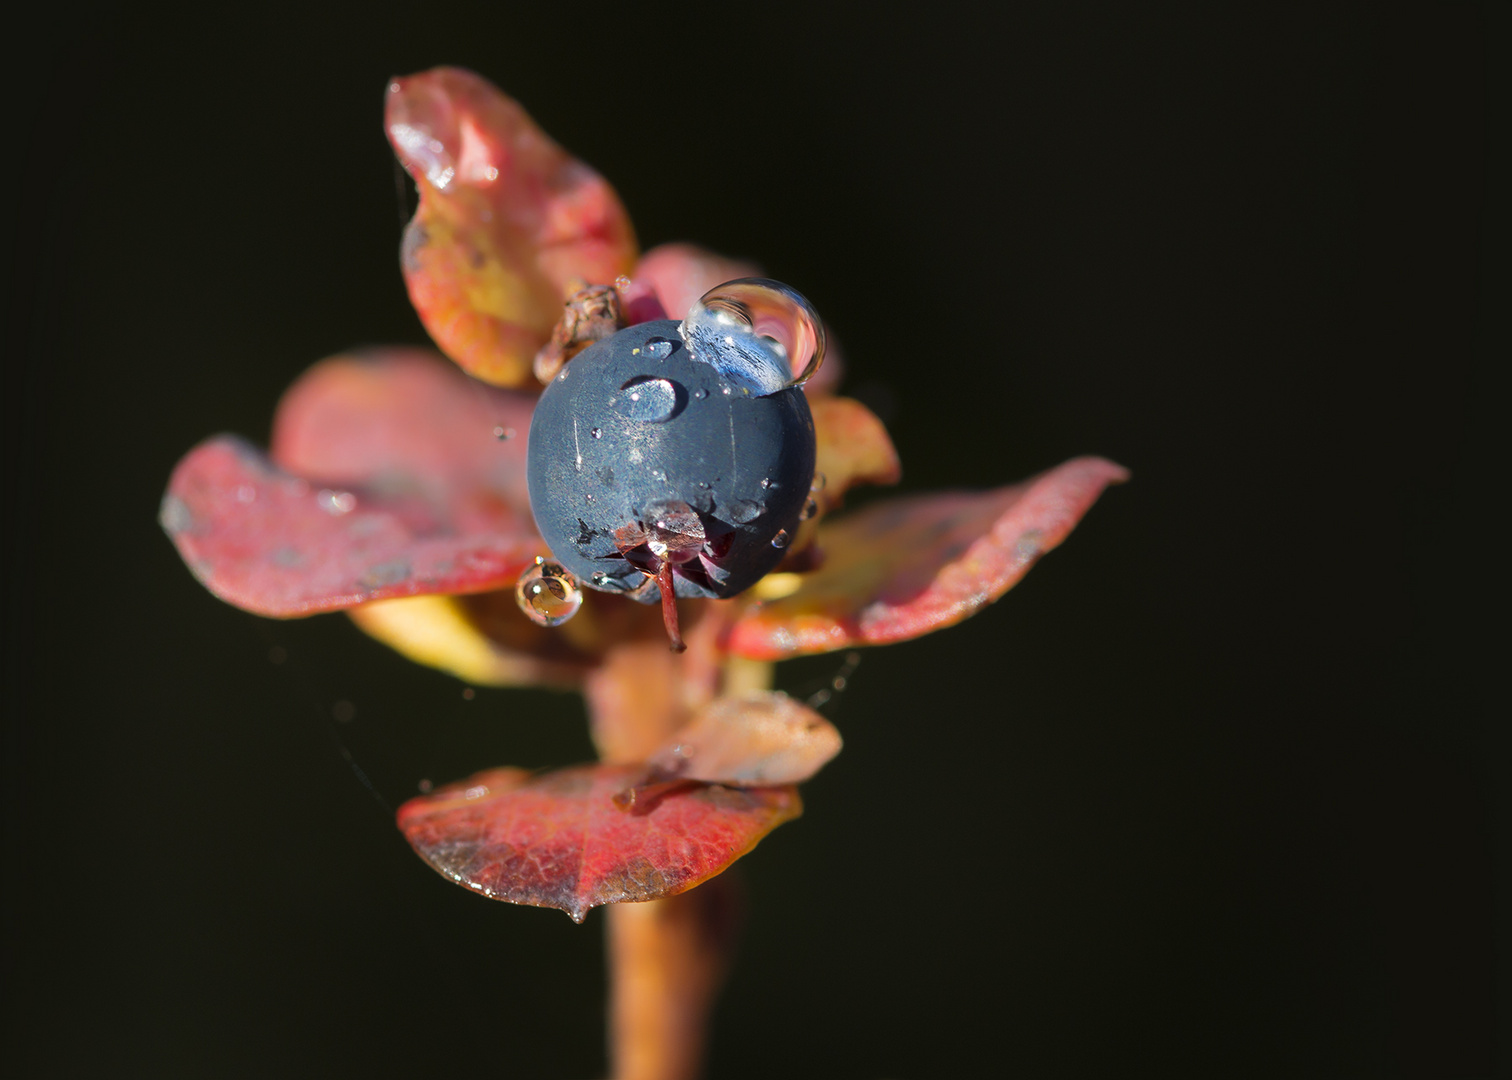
(905, 567)
(558, 839)
(754, 739)
(507, 221)
(394, 485)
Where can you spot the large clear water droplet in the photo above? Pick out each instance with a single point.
(760, 334)
(648, 399)
(548, 593)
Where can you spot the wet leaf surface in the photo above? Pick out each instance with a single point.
(558, 839)
(386, 480)
(507, 222)
(902, 568)
(755, 739)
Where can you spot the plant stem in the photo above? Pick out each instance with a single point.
(667, 959)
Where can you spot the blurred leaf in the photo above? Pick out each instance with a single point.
(507, 222)
(756, 739)
(392, 484)
(902, 568)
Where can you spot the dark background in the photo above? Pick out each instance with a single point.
(1217, 791)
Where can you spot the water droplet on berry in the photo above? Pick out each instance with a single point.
(548, 593)
(810, 508)
(336, 502)
(648, 399)
(818, 482)
(596, 433)
(743, 510)
(781, 539)
(700, 393)
(658, 347)
(767, 482)
(760, 334)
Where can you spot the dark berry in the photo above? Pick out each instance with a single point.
(643, 458)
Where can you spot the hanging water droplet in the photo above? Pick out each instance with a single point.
(658, 347)
(548, 594)
(810, 508)
(760, 334)
(818, 482)
(596, 433)
(781, 539)
(649, 399)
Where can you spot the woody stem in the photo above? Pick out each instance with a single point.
(667, 958)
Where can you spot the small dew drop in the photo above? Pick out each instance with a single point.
(548, 593)
(587, 498)
(743, 510)
(468, 693)
(658, 347)
(336, 502)
(767, 482)
(648, 399)
(425, 787)
(781, 539)
(502, 433)
(599, 578)
(810, 508)
(700, 393)
(596, 433)
(725, 390)
(818, 482)
(622, 283)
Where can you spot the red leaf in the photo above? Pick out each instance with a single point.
(902, 568)
(507, 221)
(396, 486)
(558, 840)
